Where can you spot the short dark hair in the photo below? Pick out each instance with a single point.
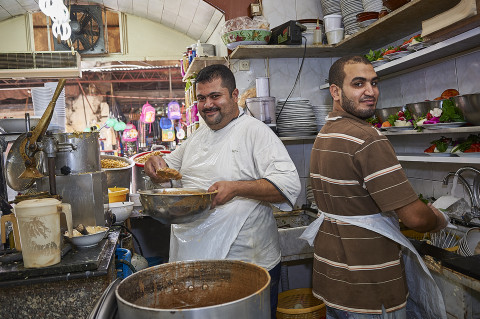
(215, 71)
(336, 75)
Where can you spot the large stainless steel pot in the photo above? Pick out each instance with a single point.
(119, 177)
(196, 289)
(79, 152)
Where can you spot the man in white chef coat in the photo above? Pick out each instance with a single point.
(246, 163)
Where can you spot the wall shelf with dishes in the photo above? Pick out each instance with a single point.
(396, 25)
(200, 62)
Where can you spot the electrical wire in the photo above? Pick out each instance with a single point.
(296, 80)
(134, 237)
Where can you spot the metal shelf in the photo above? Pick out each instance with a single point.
(466, 129)
(433, 159)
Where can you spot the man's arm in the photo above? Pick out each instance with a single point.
(422, 218)
(259, 189)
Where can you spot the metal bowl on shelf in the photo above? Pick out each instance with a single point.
(469, 104)
(383, 114)
(176, 205)
(422, 108)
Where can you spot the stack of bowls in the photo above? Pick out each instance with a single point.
(330, 7)
(372, 5)
(469, 242)
(364, 19)
(350, 9)
(321, 112)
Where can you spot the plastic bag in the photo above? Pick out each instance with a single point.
(245, 23)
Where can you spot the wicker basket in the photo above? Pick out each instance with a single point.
(300, 304)
(415, 235)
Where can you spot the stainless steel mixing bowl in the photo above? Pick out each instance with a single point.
(176, 205)
(469, 104)
(420, 109)
(383, 114)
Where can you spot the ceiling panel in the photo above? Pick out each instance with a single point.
(190, 17)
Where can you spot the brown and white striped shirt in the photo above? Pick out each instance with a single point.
(354, 171)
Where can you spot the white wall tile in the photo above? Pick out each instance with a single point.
(283, 73)
(279, 11)
(440, 77)
(413, 87)
(468, 73)
(308, 9)
(296, 152)
(390, 93)
(314, 73)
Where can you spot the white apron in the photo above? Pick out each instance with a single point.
(425, 299)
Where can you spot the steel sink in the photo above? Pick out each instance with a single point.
(290, 226)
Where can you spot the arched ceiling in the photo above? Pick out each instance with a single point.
(194, 18)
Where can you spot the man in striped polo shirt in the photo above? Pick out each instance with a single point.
(358, 182)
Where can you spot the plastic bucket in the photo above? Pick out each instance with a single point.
(117, 194)
(332, 21)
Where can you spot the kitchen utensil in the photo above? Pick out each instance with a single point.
(262, 108)
(469, 104)
(419, 109)
(335, 35)
(196, 289)
(119, 177)
(89, 240)
(176, 205)
(39, 227)
(121, 210)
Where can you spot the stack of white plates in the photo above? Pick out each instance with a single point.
(321, 112)
(296, 118)
(41, 97)
(372, 5)
(330, 7)
(350, 9)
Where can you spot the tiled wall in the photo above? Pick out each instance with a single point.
(461, 73)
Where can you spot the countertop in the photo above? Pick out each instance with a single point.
(75, 263)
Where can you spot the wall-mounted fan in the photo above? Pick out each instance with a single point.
(87, 31)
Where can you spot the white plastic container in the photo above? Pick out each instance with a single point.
(334, 36)
(262, 86)
(332, 22)
(39, 227)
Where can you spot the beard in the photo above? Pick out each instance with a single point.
(349, 107)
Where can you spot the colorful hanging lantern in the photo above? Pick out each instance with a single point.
(174, 111)
(130, 134)
(148, 115)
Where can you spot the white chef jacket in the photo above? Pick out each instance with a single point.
(242, 229)
(424, 294)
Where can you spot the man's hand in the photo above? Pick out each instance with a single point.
(225, 192)
(153, 164)
(442, 218)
